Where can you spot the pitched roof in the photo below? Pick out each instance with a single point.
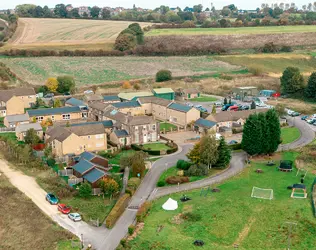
(204, 123)
(155, 100)
(163, 90)
(53, 111)
(93, 97)
(106, 124)
(75, 102)
(226, 116)
(179, 107)
(111, 98)
(130, 104)
(25, 127)
(139, 120)
(132, 95)
(6, 95)
(87, 129)
(17, 118)
(98, 105)
(57, 133)
(121, 133)
(93, 175)
(87, 156)
(83, 166)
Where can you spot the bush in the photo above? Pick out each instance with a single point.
(117, 210)
(143, 211)
(123, 242)
(286, 48)
(51, 162)
(196, 170)
(163, 75)
(269, 48)
(125, 42)
(177, 179)
(184, 165)
(129, 191)
(131, 229)
(161, 183)
(256, 71)
(133, 183)
(85, 190)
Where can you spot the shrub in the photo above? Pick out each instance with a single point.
(133, 183)
(123, 242)
(143, 211)
(129, 191)
(163, 75)
(85, 190)
(117, 210)
(196, 170)
(182, 164)
(161, 183)
(269, 48)
(256, 71)
(51, 162)
(177, 179)
(191, 216)
(225, 77)
(125, 42)
(286, 48)
(131, 229)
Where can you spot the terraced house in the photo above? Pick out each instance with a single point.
(10, 104)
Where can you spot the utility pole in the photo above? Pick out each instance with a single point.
(291, 224)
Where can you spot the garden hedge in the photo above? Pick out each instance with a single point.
(117, 210)
(143, 211)
(173, 149)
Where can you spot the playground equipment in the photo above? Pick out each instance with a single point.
(262, 193)
(286, 166)
(299, 191)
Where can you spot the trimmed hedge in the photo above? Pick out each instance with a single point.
(173, 149)
(131, 229)
(235, 146)
(177, 179)
(143, 211)
(117, 210)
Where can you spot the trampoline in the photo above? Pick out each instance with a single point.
(286, 166)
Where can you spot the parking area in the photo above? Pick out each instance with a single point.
(181, 137)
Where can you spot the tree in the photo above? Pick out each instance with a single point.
(138, 32)
(225, 101)
(47, 12)
(251, 134)
(105, 13)
(264, 133)
(208, 150)
(60, 10)
(224, 154)
(214, 109)
(126, 85)
(274, 131)
(226, 11)
(109, 186)
(136, 86)
(310, 91)
(198, 8)
(138, 164)
(57, 103)
(94, 12)
(291, 80)
(253, 105)
(163, 75)
(85, 190)
(52, 84)
(280, 109)
(125, 42)
(74, 13)
(31, 137)
(194, 154)
(66, 84)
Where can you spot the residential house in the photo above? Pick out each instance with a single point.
(165, 93)
(11, 121)
(73, 102)
(27, 95)
(182, 115)
(62, 115)
(90, 98)
(21, 129)
(107, 124)
(129, 107)
(120, 137)
(155, 106)
(132, 96)
(204, 126)
(111, 99)
(10, 104)
(74, 140)
(187, 94)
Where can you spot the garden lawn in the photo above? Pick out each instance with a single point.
(167, 126)
(290, 134)
(204, 99)
(1, 122)
(116, 158)
(233, 217)
(155, 146)
(94, 207)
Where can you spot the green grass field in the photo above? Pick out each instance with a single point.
(204, 99)
(156, 146)
(232, 31)
(167, 126)
(290, 134)
(233, 217)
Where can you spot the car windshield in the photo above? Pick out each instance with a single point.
(52, 196)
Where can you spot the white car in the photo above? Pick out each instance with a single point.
(289, 111)
(74, 216)
(217, 104)
(89, 91)
(189, 104)
(198, 106)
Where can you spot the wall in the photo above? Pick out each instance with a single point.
(59, 117)
(21, 136)
(15, 106)
(133, 111)
(93, 143)
(27, 100)
(159, 112)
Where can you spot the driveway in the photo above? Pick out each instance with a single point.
(31, 189)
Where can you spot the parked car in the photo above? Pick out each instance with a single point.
(202, 109)
(226, 106)
(295, 114)
(49, 95)
(314, 123)
(63, 208)
(66, 93)
(233, 108)
(304, 117)
(74, 216)
(189, 104)
(311, 121)
(89, 91)
(245, 107)
(52, 199)
(198, 106)
(232, 142)
(217, 104)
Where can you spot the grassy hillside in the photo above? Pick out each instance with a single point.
(96, 70)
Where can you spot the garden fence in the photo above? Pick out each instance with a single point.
(66, 172)
(96, 191)
(75, 181)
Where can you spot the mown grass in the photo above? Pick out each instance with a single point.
(232, 31)
(156, 146)
(165, 126)
(290, 134)
(204, 99)
(23, 225)
(232, 216)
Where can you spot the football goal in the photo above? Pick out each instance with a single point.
(262, 193)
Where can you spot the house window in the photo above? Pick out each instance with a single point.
(30, 96)
(39, 118)
(136, 127)
(84, 147)
(99, 136)
(53, 118)
(154, 127)
(66, 117)
(89, 136)
(144, 127)
(84, 115)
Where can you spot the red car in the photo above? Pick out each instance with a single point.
(63, 208)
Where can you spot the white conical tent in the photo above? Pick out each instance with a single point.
(170, 204)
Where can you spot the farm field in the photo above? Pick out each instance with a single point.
(232, 31)
(51, 33)
(274, 64)
(97, 70)
(34, 231)
(232, 217)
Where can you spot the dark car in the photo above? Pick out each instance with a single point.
(226, 106)
(232, 142)
(52, 199)
(49, 95)
(294, 114)
(245, 107)
(304, 117)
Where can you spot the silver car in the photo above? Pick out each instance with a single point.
(74, 216)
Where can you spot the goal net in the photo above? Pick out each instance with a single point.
(262, 193)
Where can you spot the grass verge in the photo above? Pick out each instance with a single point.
(290, 134)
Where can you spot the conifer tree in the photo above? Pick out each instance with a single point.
(310, 91)
(224, 154)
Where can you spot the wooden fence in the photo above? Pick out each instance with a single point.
(75, 181)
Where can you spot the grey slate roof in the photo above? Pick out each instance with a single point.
(87, 129)
(106, 124)
(17, 118)
(179, 107)
(130, 104)
(93, 97)
(93, 175)
(57, 133)
(53, 111)
(111, 98)
(25, 127)
(155, 100)
(6, 95)
(83, 166)
(75, 102)
(121, 133)
(204, 123)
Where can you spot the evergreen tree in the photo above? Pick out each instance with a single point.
(264, 144)
(225, 101)
(310, 91)
(251, 135)
(274, 131)
(253, 105)
(230, 101)
(291, 80)
(224, 154)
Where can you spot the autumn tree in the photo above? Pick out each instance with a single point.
(57, 103)
(109, 186)
(138, 164)
(52, 84)
(136, 86)
(126, 85)
(194, 154)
